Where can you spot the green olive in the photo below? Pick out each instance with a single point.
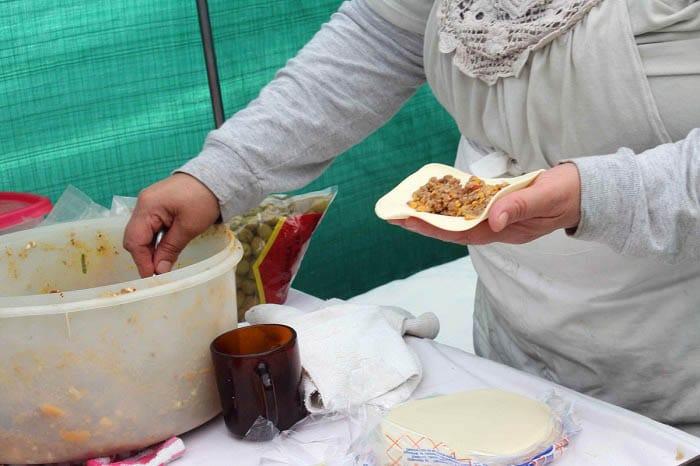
(252, 225)
(243, 267)
(264, 231)
(273, 221)
(246, 250)
(240, 297)
(245, 235)
(258, 244)
(249, 287)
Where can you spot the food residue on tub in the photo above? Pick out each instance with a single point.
(75, 436)
(76, 394)
(106, 422)
(123, 291)
(680, 456)
(83, 263)
(447, 196)
(50, 410)
(12, 270)
(25, 250)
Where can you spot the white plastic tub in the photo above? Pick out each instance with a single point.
(96, 361)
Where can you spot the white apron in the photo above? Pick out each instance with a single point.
(621, 329)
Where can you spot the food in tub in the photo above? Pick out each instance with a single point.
(96, 360)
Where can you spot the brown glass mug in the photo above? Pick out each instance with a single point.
(258, 372)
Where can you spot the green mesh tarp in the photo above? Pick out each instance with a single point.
(110, 96)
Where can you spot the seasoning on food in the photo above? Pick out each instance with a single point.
(83, 264)
(447, 196)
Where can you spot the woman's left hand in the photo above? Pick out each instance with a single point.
(551, 202)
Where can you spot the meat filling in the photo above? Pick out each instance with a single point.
(447, 196)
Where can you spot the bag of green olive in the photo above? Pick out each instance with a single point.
(275, 236)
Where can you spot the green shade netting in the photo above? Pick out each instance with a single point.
(111, 96)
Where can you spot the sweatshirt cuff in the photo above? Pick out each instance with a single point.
(610, 185)
(228, 176)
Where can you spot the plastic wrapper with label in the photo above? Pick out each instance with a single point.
(490, 435)
(365, 436)
(275, 236)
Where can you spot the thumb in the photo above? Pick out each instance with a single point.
(530, 202)
(170, 247)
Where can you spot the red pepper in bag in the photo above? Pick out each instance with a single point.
(275, 237)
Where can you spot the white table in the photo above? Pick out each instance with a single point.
(610, 436)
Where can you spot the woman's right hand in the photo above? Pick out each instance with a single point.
(183, 206)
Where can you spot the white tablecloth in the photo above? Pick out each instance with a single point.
(447, 290)
(610, 436)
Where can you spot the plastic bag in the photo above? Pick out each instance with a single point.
(401, 447)
(275, 236)
(338, 439)
(74, 205)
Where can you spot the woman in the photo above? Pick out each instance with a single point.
(605, 296)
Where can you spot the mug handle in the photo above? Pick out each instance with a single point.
(271, 413)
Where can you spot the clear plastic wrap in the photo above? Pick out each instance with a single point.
(396, 446)
(355, 438)
(340, 439)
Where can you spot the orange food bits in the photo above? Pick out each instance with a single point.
(75, 436)
(51, 410)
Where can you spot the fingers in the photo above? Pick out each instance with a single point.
(170, 247)
(417, 225)
(138, 239)
(532, 202)
(556, 193)
(517, 233)
(181, 204)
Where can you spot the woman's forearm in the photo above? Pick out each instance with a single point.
(644, 204)
(346, 82)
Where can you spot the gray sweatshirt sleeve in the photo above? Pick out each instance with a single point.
(345, 83)
(644, 204)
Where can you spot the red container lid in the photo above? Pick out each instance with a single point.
(15, 208)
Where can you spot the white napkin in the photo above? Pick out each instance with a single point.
(353, 354)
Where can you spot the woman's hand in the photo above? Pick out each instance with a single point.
(182, 205)
(551, 202)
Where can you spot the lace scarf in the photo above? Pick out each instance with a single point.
(492, 39)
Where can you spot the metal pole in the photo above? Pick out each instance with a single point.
(217, 104)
